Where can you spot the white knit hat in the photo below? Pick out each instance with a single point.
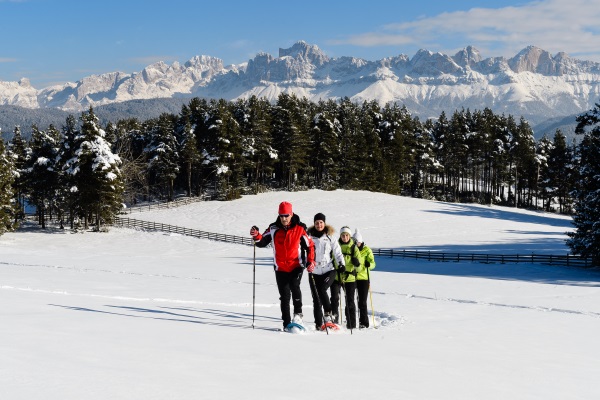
(345, 229)
(357, 236)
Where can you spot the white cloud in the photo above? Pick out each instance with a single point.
(554, 25)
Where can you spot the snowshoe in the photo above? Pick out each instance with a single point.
(331, 326)
(294, 327)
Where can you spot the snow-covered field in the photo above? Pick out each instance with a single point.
(143, 315)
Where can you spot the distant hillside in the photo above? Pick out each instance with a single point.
(11, 116)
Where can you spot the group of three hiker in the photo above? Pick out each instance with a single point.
(332, 264)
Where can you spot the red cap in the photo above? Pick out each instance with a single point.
(285, 208)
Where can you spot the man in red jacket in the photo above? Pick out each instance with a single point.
(293, 250)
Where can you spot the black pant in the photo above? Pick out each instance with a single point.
(362, 289)
(288, 284)
(350, 289)
(319, 294)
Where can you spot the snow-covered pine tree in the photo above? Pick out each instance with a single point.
(325, 133)
(162, 152)
(227, 160)
(7, 201)
(372, 163)
(41, 173)
(562, 171)
(17, 151)
(188, 147)
(95, 172)
(585, 240)
(67, 198)
(290, 138)
(253, 117)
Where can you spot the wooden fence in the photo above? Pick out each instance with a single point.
(157, 226)
(563, 260)
(165, 204)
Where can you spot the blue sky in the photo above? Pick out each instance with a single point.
(55, 41)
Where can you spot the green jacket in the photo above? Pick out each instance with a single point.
(368, 259)
(353, 260)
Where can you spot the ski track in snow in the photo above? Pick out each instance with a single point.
(382, 319)
(107, 271)
(384, 316)
(484, 303)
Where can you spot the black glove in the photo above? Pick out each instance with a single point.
(347, 274)
(355, 261)
(367, 264)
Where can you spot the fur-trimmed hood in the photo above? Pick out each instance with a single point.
(328, 230)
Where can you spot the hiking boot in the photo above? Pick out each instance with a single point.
(336, 319)
(297, 318)
(328, 318)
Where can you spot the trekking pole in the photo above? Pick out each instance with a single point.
(348, 320)
(314, 283)
(371, 296)
(253, 283)
(339, 292)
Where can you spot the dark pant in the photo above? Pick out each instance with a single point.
(319, 284)
(349, 288)
(362, 289)
(288, 284)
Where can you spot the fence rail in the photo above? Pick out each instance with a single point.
(157, 226)
(164, 204)
(562, 260)
(550, 259)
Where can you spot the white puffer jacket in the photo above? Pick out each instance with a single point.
(325, 246)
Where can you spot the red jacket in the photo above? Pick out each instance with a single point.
(292, 247)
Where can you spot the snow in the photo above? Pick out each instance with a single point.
(145, 315)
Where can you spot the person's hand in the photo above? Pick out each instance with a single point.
(355, 261)
(310, 267)
(367, 264)
(254, 232)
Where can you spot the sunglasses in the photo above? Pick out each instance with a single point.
(284, 215)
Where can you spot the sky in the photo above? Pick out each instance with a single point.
(132, 314)
(55, 41)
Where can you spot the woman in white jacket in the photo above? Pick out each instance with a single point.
(328, 257)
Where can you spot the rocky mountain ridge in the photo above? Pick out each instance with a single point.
(534, 83)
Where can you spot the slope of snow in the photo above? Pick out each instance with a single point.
(143, 315)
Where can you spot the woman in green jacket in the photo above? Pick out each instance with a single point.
(363, 279)
(346, 278)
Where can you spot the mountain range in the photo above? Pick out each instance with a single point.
(548, 90)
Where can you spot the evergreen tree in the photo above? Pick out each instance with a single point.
(290, 138)
(95, 173)
(17, 152)
(7, 177)
(259, 155)
(371, 162)
(544, 190)
(325, 135)
(190, 157)
(162, 152)
(585, 240)
(68, 197)
(561, 171)
(229, 162)
(41, 175)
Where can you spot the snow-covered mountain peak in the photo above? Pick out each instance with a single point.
(467, 57)
(308, 52)
(533, 83)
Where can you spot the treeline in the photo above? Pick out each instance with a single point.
(224, 149)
